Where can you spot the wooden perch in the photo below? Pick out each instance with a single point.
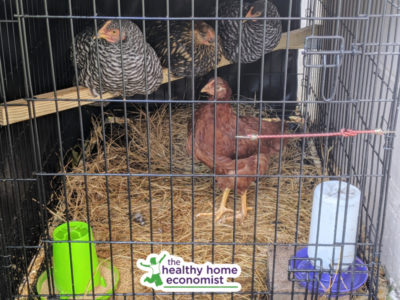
(17, 110)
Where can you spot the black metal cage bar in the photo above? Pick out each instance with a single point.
(346, 76)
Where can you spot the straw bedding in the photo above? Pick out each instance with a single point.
(121, 214)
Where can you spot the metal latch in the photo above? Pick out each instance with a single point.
(5, 261)
(325, 52)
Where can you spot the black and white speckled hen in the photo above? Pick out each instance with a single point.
(252, 30)
(110, 48)
(181, 46)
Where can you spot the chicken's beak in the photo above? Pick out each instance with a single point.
(208, 88)
(251, 15)
(102, 33)
(204, 89)
(210, 38)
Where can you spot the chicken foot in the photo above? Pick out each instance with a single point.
(222, 208)
(240, 215)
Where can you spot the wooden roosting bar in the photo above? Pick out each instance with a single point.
(60, 100)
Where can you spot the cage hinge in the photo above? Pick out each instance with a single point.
(325, 52)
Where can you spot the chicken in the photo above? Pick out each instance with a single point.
(225, 156)
(180, 40)
(252, 30)
(109, 52)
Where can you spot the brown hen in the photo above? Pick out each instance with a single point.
(225, 155)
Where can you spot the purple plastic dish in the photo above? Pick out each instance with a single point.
(351, 279)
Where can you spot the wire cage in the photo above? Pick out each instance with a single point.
(119, 163)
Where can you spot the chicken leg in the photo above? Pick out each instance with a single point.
(222, 208)
(241, 215)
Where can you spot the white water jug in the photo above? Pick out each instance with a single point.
(349, 196)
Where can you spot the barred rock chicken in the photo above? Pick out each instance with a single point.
(180, 40)
(225, 145)
(252, 30)
(109, 39)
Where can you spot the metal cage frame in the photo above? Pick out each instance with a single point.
(349, 78)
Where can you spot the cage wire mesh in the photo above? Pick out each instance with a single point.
(122, 166)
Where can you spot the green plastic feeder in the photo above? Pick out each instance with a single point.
(81, 266)
(80, 253)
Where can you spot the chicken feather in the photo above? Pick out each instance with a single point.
(225, 138)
